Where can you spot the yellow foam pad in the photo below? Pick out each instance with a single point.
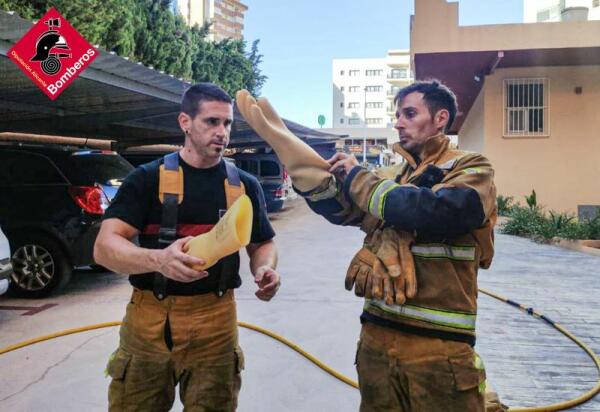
(229, 235)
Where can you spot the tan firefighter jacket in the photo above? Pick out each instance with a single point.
(448, 201)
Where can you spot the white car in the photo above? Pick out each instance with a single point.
(5, 265)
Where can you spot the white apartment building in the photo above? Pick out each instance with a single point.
(363, 94)
(535, 11)
(227, 16)
(363, 89)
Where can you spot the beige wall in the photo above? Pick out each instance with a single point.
(564, 168)
(435, 29)
(471, 135)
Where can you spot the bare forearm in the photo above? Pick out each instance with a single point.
(123, 256)
(262, 254)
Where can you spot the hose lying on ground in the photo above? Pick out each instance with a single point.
(547, 408)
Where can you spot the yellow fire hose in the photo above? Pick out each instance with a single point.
(548, 408)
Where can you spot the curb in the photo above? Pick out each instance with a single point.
(591, 247)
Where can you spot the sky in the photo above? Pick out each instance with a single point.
(300, 38)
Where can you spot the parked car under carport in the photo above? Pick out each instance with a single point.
(271, 174)
(5, 264)
(52, 202)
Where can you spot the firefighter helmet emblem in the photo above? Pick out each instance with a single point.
(50, 48)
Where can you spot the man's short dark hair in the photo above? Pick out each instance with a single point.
(195, 95)
(436, 96)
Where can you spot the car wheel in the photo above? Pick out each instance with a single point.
(40, 267)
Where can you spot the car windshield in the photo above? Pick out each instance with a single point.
(103, 168)
(268, 168)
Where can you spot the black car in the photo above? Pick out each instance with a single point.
(51, 202)
(271, 174)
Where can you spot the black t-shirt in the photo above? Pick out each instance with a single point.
(137, 204)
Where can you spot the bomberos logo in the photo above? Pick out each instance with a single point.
(52, 53)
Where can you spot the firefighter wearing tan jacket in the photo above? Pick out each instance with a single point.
(429, 228)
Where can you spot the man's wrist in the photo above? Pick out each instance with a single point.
(156, 259)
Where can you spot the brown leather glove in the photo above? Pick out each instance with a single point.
(395, 254)
(367, 273)
(368, 276)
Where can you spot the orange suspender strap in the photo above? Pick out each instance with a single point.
(234, 187)
(170, 193)
(171, 182)
(170, 179)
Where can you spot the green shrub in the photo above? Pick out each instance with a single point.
(524, 221)
(532, 222)
(504, 204)
(585, 229)
(531, 200)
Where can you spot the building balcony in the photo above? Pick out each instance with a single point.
(400, 81)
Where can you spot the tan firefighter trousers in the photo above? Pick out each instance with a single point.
(190, 341)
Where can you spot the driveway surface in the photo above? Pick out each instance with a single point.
(528, 362)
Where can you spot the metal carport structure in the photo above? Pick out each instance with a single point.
(113, 99)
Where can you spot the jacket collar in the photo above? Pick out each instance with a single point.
(434, 147)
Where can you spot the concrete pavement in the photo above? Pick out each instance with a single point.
(528, 362)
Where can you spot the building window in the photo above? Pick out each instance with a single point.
(374, 88)
(353, 105)
(341, 104)
(342, 120)
(393, 91)
(596, 3)
(374, 105)
(341, 72)
(543, 15)
(353, 89)
(341, 88)
(373, 72)
(374, 120)
(382, 142)
(354, 120)
(353, 72)
(398, 74)
(526, 107)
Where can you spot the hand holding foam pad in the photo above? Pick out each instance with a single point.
(229, 235)
(307, 169)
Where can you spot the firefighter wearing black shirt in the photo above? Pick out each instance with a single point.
(186, 336)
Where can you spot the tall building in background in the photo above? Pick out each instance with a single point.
(363, 89)
(363, 109)
(227, 16)
(537, 11)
